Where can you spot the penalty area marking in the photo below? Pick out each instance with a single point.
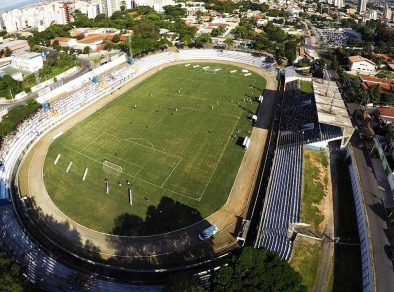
(133, 176)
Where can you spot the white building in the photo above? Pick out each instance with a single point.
(31, 62)
(157, 5)
(361, 65)
(373, 14)
(338, 3)
(387, 14)
(91, 10)
(38, 16)
(108, 7)
(362, 6)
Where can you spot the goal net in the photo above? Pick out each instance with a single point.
(111, 168)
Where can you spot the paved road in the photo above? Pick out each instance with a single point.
(381, 248)
(86, 67)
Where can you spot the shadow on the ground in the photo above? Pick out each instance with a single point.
(167, 216)
(347, 261)
(62, 233)
(172, 244)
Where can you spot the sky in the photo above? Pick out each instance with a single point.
(9, 4)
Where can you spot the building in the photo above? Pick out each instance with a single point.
(108, 7)
(387, 13)
(31, 62)
(14, 45)
(373, 15)
(65, 42)
(38, 16)
(157, 5)
(362, 6)
(91, 10)
(386, 85)
(361, 65)
(339, 3)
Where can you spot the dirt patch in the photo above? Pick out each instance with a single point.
(322, 177)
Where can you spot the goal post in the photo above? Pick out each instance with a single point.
(112, 168)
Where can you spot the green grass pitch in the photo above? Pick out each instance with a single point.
(178, 149)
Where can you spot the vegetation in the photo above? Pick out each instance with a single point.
(306, 86)
(302, 63)
(16, 115)
(53, 66)
(315, 182)
(180, 143)
(257, 270)
(11, 278)
(305, 260)
(5, 52)
(183, 281)
(9, 87)
(385, 74)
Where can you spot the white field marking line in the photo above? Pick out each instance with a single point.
(170, 173)
(90, 142)
(221, 155)
(57, 159)
(69, 166)
(133, 176)
(212, 112)
(128, 162)
(85, 174)
(166, 153)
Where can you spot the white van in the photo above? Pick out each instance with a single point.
(208, 232)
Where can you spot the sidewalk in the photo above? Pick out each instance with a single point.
(384, 186)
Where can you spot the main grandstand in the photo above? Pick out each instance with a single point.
(310, 120)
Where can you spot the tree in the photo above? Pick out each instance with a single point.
(86, 50)
(175, 11)
(257, 270)
(7, 52)
(56, 46)
(229, 42)
(216, 32)
(204, 38)
(116, 39)
(183, 281)
(10, 274)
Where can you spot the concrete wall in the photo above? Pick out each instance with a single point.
(366, 259)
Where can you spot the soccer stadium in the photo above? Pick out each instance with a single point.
(172, 139)
(126, 165)
(135, 160)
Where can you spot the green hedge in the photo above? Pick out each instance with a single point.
(16, 115)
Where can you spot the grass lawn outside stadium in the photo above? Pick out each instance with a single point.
(176, 137)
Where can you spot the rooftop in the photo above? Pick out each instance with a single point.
(354, 59)
(330, 106)
(27, 55)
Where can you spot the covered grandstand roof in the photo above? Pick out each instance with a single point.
(330, 106)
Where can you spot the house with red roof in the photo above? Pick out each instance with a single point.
(362, 65)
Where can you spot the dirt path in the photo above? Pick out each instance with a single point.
(150, 250)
